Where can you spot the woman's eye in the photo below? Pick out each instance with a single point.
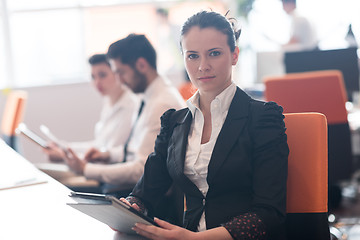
(192, 56)
(215, 53)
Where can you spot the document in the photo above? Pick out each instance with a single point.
(46, 131)
(21, 183)
(110, 211)
(15, 171)
(23, 129)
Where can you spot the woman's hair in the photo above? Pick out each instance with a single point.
(206, 19)
(98, 58)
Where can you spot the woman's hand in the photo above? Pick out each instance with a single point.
(169, 231)
(74, 162)
(54, 152)
(165, 231)
(134, 205)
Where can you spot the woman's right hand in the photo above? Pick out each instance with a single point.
(134, 205)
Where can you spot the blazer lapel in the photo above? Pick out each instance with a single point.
(233, 125)
(180, 139)
(176, 162)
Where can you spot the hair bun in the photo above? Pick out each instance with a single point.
(237, 34)
(233, 23)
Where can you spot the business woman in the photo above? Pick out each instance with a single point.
(226, 152)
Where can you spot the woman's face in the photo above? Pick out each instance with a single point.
(208, 59)
(104, 79)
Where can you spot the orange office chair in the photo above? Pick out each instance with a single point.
(12, 116)
(318, 91)
(307, 177)
(323, 92)
(187, 90)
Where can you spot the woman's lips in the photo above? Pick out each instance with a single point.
(206, 78)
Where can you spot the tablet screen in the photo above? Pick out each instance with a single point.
(110, 211)
(23, 129)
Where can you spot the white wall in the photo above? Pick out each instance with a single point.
(70, 111)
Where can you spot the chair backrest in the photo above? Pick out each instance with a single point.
(307, 176)
(323, 92)
(13, 115)
(318, 91)
(187, 90)
(345, 60)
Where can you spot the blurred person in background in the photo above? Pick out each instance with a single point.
(113, 129)
(302, 32)
(133, 60)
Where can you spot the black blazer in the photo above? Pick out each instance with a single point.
(247, 171)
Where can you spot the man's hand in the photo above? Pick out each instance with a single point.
(96, 155)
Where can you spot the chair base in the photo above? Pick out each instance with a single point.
(334, 196)
(340, 154)
(309, 226)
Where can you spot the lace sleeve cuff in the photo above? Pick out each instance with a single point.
(246, 226)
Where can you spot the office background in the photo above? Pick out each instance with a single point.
(45, 46)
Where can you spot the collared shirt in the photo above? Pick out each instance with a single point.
(198, 155)
(159, 96)
(113, 128)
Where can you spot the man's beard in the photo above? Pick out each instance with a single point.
(140, 82)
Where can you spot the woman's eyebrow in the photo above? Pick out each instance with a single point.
(211, 49)
(216, 48)
(190, 51)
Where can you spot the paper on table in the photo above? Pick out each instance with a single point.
(13, 176)
(21, 183)
(45, 130)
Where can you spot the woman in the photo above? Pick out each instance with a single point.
(226, 153)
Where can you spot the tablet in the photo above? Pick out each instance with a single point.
(23, 129)
(46, 131)
(109, 210)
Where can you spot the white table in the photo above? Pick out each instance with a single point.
(39, 211)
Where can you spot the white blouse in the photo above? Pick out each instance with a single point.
(198, 155)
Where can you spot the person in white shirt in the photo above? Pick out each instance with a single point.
(302, 33)
(113, 129)
(133, 59)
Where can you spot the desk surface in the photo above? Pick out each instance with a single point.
(39, 211)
